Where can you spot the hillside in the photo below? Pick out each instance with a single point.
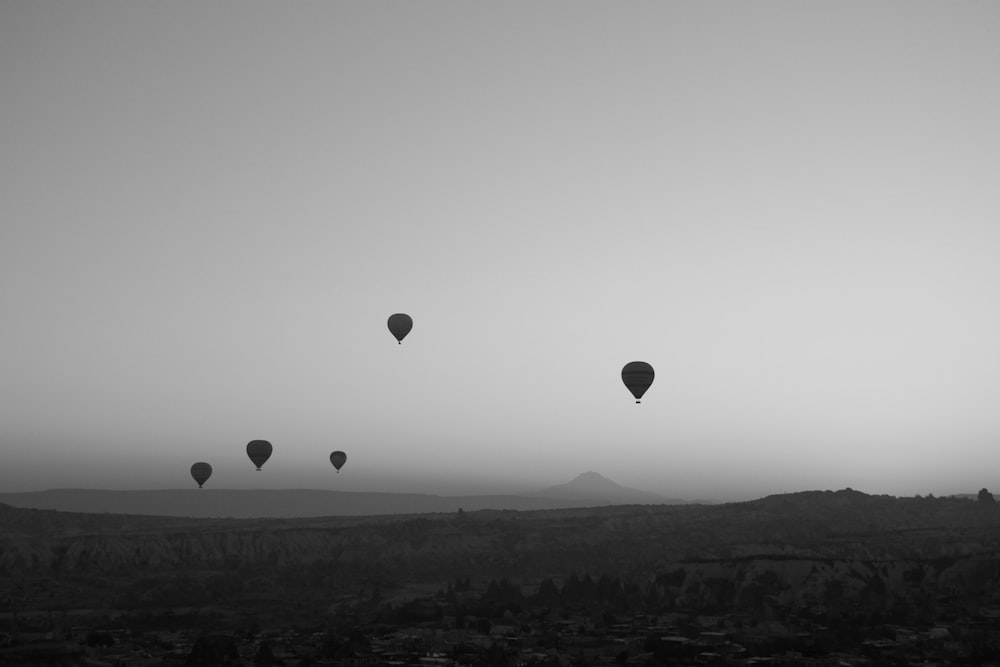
(267, 503)
(845, 525)
(587, 490)
(808, 562)
(821, 572)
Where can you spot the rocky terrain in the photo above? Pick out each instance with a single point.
(803, 547)
(819, 572)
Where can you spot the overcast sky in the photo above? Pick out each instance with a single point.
(791, 210)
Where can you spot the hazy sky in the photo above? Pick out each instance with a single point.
(791, 210)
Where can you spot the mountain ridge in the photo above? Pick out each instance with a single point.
(584, 491)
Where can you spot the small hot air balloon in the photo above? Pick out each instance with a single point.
(637, 376)
(201, 471)
(400, 325)
(338, 459)
(259, 452)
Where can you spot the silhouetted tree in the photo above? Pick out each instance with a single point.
(502, 592)
(608, 589)
(571, 588)
(265, 656)
(100, 641)
(213, 651)
(547, 591)
(985, 496)
(496, 656)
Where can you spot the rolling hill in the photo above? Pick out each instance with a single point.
(587, 490)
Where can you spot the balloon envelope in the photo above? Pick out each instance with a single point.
(259, 452)
(637, 376)
(338, 459)
(400, 325)
(201, 471)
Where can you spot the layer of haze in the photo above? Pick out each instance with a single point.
(208, 211)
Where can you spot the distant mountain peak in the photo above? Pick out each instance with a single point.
(594, 480)
(594, 486)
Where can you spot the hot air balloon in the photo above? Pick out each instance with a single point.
(338, 459)
(259, 452)
(637, 376)
(201, 471)
(400, 325)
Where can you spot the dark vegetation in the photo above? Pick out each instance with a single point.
(809, 574)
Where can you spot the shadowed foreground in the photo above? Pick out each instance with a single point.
(812, 573)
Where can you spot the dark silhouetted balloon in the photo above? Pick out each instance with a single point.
(338, 459)
(400, 325)
(259, 452)
(201, 471)
(637, 376)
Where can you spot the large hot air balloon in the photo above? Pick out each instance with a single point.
(201, 471)
(400, 325)
(637, 376)
(259, 452)
(338, 459)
